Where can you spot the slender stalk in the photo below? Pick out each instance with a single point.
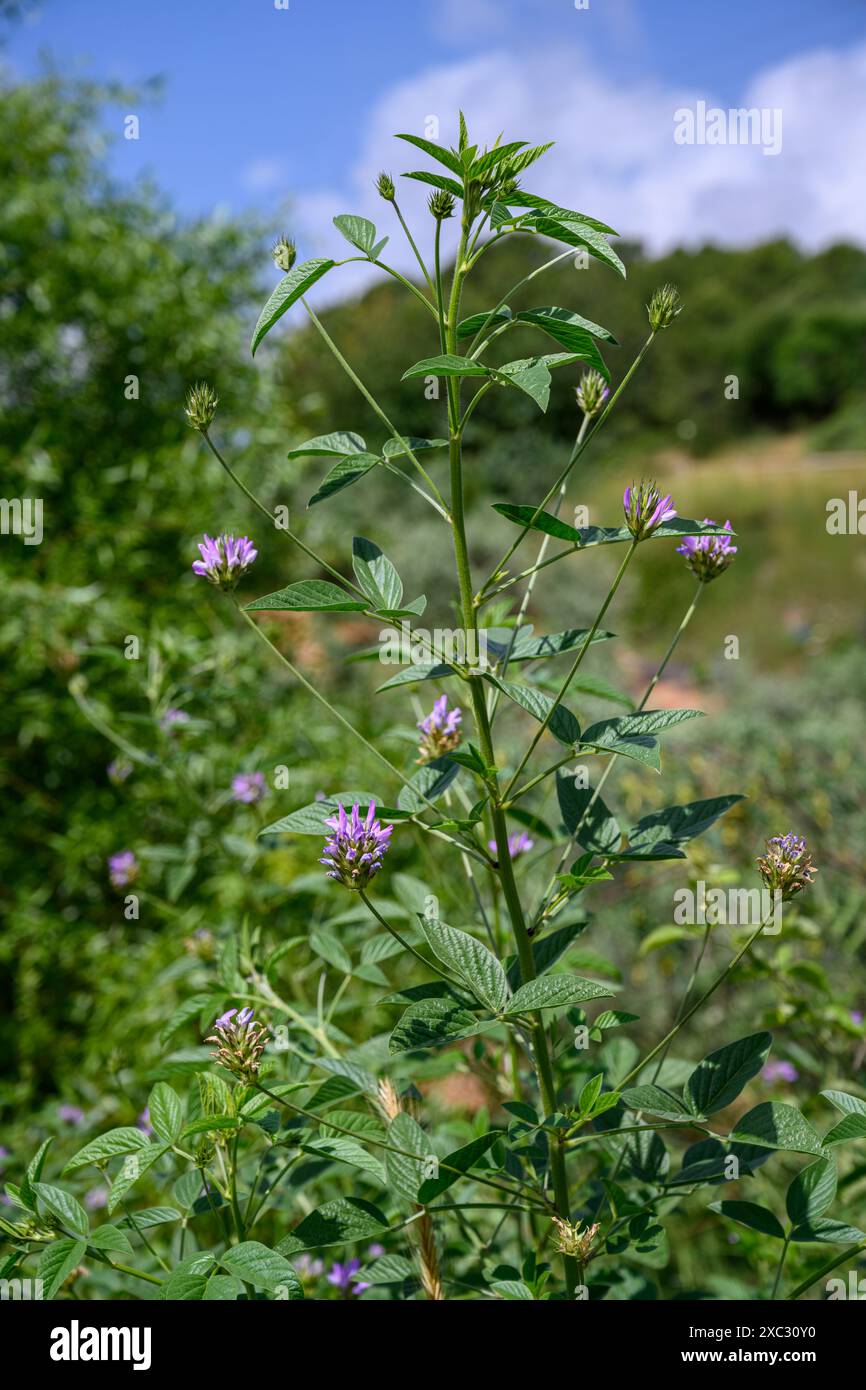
(575, 455)
(266, 511)
(699, 1003)
(407, 945)
(659, 672)
(834, 1263)
(560, 695)
(375, 406)
(411, 240)
(781, 1265)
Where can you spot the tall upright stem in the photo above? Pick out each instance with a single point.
(510, 891)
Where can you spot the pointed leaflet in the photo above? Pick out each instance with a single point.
(117, 1141)
(451, 160)
(446, 364)
(375, 574)
(336, 445)
(676, 824)
(309, 596)
(436, 181)
(341, 1222)
(343, 474)
(567, 327)
(431, 780)
(562, 725)
(407, 1169)
(774, 1125)
(600, 830)
(721, 1076)
(554, 992)
(587, 536)
(433, 1023)
(310, 819)
(521, 199)
(455, 1165)
(575, 233)
(358, 231)
(299, 279)
(469, 958)
(57, 1262)
(812, 1191)
(261, 1267)
(751, 1215)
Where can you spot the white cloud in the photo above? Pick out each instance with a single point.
(263, 175)
(616, 158)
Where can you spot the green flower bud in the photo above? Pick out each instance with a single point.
(441, 204)
(592, 391)
(664, 307)
(284, 253)
(201, 403)
(385, 187)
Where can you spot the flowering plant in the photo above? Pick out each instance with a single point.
(570, 1170)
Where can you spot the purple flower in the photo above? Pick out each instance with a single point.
(240, 1042)
(856, 1018)
(517, 845)
(96, 1198)
(780, 1071)
(173, 719)
(708, 556)
(343, 1278)
(122, 868)
(224, 560)
(645, 509)
(70, 1114)
(248, 787)
(441, 730)
(309, 1268)
(143, 1121)
(375, 1250)
(354, 853)
(787, 866)
(118, 770)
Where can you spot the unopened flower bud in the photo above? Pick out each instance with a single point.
(663, 308)
(284, 253)
(240, 1043)
(592, 392)
(201, 403)
(385, 187)
(441, 204)
(645, 509)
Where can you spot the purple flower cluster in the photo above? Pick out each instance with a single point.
(441, 730)
(354, 852)
(240, 1042)
(787, 866)
(248, 787)
(70, 1114)
(122, 868)
(342, 1276)
(645, 509)
(708, 556)
(118, 770)
(225, 559)
(780, 1071)
(517, 844)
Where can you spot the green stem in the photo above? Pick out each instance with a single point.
(834, 1263)
(781, 1265)
(560, 695)
(407, 945)
(411, 240)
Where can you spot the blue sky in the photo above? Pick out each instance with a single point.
(264, 105)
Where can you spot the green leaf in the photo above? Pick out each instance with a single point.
(341, 1222)
(309, 596)
(407, 1170)
(150, 1216)
(375, 574)
(589, 536)
(310, 819)
(849, 1105)
(521, 199)
(331, 949)
(437, 152)
(647, 722)
(400, 448)
(110, 1238)
(828, 1232)
(531, 376)
(751, 1215)
(437, 181)
(410, 674)
(265, 1269)
(526, 647)
(446, 364)
(117, 1141)
(721, 1076)
(563, 725)
(554, 992)
(431, 781)
(166, 1112)
(434, 1022)
(388, 1269)
(774, 1125)
(469, 959)
(299, 279)
(812, 1191)
(455, 1165)
(338, 445)
(189, 1279)
(677, 824)
(567, 327)
(851, 1127)
(575, 233)
(344, 473)
(358, 231)
(57, 1262)
(512, 1290)
(600, 831)
(657, 1101)
(134, 1166)
(33, 1174)
(63, 1205)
